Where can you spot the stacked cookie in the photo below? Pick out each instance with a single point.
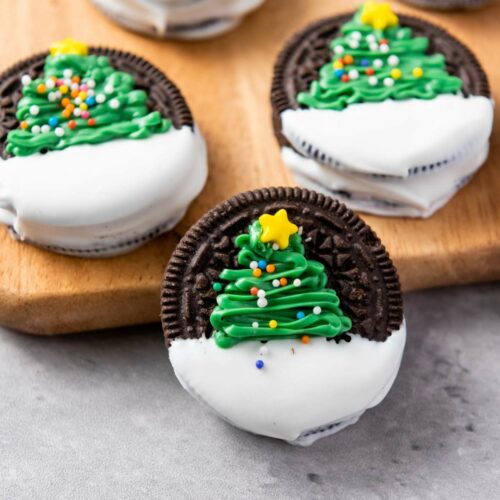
(391, 114)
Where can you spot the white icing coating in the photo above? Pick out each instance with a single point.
(95, 197)
(392, 137)
(301, 388)
(178, 18)
(415, 196)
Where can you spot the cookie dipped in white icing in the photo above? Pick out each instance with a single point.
(92, 170)
(183, 19)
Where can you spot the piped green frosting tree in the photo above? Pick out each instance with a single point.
(375, 59)
(277, 293)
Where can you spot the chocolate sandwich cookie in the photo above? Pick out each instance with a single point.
(96, 146)
(276, 286)
(390, 113)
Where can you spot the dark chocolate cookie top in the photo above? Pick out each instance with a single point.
(299, 62)
(356, 263)
(163, 95)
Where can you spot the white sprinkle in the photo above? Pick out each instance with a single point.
(276, 283)
(68, 73)
(354, 44)
(58, 94)
(59, 131)
(384, 48)
(90, 92)
(75, 86)
(356, 35)
(353, 74)
(50, 84)
(26, 79)
(90, 83)
(77, 112)
(255, 324)
(78, 101)
(254, 264)
(34, 110)
(373, 47)
(297, 282)
(301, 230)
(108, 89)
(262, 302)
(388, 82)
(371, 38)
(114, 103)
(276, 247)
(317, 310)
(35, 129)
(373, 80)
(52, 96)
(378, 63)
(67, 82)
(261, 293)
(338, 49)
(263, 350)
(45, 128)
(393, 60)
(100, 98)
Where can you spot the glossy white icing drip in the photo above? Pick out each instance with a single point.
(391, 137)
(96, 197)
(301, 388)
(178, 18)
(415, 196)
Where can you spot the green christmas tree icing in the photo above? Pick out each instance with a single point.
(376, 59)
(277, 293)
(80, 99)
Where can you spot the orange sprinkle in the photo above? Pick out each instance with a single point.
(72, 124)
(254, 290)
(74, 93)
(65, 102)
(41, 88)
(70, 107)
(257, 272)
(91, 122)
(53, 78)
(270, 268)
(24, 125)
(66, 113)
(348, 59)
(283, 281)
(75, 79)
(305, 339)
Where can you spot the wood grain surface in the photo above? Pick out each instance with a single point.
(226, 82)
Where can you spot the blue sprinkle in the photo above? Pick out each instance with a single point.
(262, 264)
(339, 73)
(53, 121)
(301, 315)
(365, 62)
(259, 364)
(90, 100)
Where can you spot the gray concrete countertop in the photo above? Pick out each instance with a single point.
(102, 416)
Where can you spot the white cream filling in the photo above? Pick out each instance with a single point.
(415, 196)
(97, 196)
(157, 16)
(391, 137)
(301, 387)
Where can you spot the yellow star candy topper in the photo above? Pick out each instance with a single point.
(378, 15)
(277, 228)
(68, 46)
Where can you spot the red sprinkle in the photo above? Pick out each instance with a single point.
(370, 71)
(254, 290)
(345, 78)
(383, 41)
(72, 124)
(91, 122)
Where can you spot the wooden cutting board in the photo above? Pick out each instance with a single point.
(226, 82)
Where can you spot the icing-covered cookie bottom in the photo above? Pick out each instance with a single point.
(414, 196)
(189, 19)
(302, 393)
(394, 138)
(106, 199)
